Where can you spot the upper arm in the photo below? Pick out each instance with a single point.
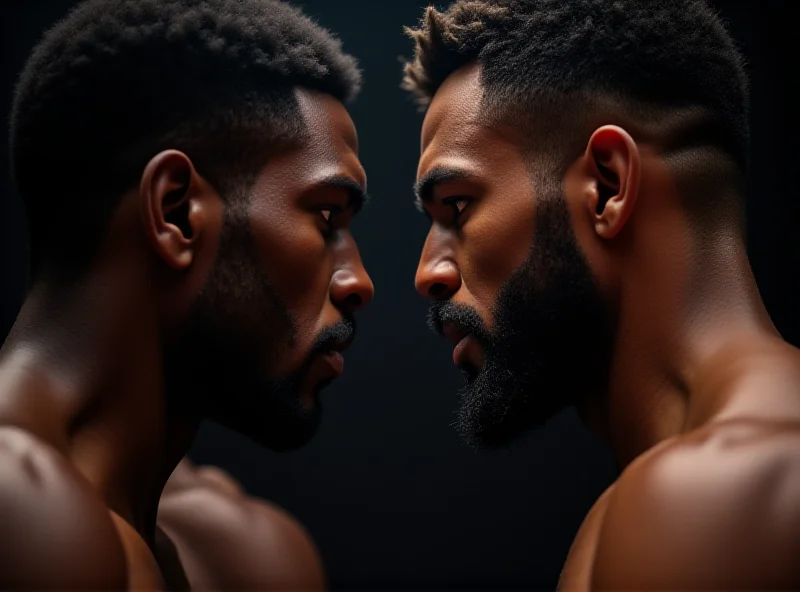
(53, 532)
(698, 518)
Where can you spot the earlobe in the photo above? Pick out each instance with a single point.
(168, 191)
(614, 162)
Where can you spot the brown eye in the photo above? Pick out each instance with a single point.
(328, 214)
(459, 204)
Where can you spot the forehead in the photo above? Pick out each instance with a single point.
(327, 123)
(456, 103)
(328, 149)
(456, 132)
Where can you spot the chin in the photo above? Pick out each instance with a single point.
(280, 417)
(470, 372)
(284, 438)
(498, 407)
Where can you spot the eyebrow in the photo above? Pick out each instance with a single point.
(423, 189)
(358, 197)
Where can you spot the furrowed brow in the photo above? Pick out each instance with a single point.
(424, 188)
(358, 196)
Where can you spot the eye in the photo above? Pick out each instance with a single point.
(328, 215)
(459, 203)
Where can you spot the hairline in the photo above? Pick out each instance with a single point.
(548, 158)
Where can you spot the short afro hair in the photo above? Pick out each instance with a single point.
(671, 66)
(117, 81)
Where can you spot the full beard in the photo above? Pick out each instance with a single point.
(220, 367)
(550, 343)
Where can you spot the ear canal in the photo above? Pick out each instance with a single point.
(607, 187)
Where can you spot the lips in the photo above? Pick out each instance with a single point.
(335, 360)
(454, 332)
(460, 350)
(460, 338)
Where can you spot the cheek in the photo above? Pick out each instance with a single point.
(296, 261)
(496, 242)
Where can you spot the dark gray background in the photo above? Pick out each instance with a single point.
(392, 499)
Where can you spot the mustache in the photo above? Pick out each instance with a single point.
(466, 317)
(339, 334)
(335, 336)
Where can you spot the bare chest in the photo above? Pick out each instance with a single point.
(577, 571)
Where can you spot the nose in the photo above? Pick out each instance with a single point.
(437, 278)
(351, 286)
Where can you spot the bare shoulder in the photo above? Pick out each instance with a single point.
(758, 381)
(54, 532)
(716, 508)
(265, 547)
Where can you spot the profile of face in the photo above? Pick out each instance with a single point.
(266, 332)
(509, 284)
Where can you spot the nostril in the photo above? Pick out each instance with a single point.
(353, 301)
(437, 289)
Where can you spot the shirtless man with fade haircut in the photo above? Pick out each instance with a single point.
(190, 174)
(583, 167)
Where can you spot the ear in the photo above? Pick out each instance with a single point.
(173, 209)
(613, 162)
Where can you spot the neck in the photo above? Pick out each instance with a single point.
(679, 308)
(83, 367)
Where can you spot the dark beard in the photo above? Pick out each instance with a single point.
(221, 365)
(551, 341)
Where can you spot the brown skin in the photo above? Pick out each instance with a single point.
(228, 540)
(704, 410)
(87, 439)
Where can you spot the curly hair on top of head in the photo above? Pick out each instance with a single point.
(445, 41)
(116, 81)
(656, 59)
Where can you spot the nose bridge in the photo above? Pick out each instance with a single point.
(437, 271)
(432, 250)
(347, 257)
(350, 282)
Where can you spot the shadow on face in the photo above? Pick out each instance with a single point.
(510, 286)
(268, 329)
